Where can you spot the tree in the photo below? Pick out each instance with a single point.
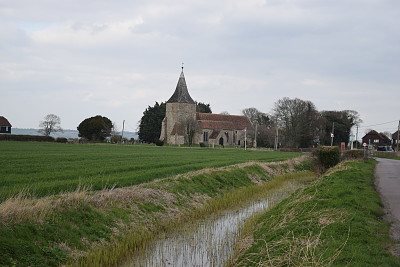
(298, 120)
(256, 116)
(344, 120)
(115, 136)
(50, 124)
(203, 108)
(262, 124)
(150, 123)
(388, 134)
(96, 128)
(190, 128)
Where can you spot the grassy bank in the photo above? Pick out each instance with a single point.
(44, 169)
(87, 227)
(334, 222)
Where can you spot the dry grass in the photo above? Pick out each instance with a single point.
(296, 251)
(23, 207)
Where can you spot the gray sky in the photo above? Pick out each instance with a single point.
(78, 59)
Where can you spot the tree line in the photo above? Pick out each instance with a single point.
(95, 129)
(296, 123)
(292, 123)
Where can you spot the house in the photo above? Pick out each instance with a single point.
(5, 126)
(376, 139)
(395, 138)
(181, 118)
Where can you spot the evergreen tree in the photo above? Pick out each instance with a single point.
(150, 123)
(96, 128)
(203, 108)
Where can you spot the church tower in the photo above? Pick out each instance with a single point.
(179, 108)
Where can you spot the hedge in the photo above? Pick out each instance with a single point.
(35, 138)
(327, 156)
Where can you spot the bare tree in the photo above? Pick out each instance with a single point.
(256, 116)
(115, 136)
(388, 134)
(190, 129)
(50, 124)
(298, 120)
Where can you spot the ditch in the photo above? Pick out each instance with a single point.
(211, 241)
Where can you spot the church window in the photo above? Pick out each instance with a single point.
(205, 137)
(227, 136)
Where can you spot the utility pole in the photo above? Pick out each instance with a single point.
(333, 133)
(276, 136)
(357, 138)
(255, 137)
(398, 133)
(123, 127)
(245, 138)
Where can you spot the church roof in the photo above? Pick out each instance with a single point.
(223, 122)
(4, 122)
(181, 94)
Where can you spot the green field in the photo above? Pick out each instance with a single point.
(43, 169)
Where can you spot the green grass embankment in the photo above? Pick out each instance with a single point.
(97, 228)
(336, 221)
(44, 169)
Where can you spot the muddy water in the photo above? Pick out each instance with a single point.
(209, 242)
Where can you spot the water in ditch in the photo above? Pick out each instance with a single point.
(209, 242)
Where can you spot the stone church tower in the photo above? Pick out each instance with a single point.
(179, 108)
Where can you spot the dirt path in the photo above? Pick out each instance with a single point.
(387, 174)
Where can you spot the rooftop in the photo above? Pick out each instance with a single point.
(223, 122)
(181, 94)
(4, 122)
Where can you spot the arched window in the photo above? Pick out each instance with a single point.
(221, 141)
(205, 137)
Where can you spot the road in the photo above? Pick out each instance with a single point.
(387, 174)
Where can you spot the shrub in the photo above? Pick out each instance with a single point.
(327, 156)
(203, 145)
(62, 140)
(159, 143)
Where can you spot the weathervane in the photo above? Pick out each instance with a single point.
(182, 66)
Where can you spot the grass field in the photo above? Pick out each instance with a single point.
(42, 169)
(337, 221)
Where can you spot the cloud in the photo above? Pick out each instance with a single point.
(117, 58)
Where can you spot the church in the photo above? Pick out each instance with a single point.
(183, 125)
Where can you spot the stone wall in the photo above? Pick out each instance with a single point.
(175, 114)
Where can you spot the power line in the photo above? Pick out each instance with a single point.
(378, 124)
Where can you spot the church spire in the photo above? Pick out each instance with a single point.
(181, 94)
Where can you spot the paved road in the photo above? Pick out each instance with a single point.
(387, 175)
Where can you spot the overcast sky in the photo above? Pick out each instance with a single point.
(78, 59)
